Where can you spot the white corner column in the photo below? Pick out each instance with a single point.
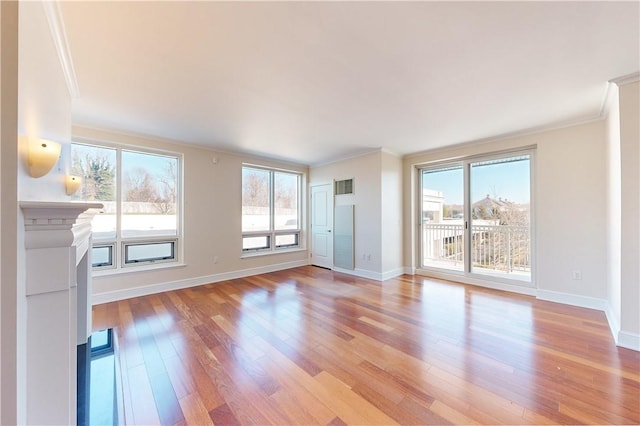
(58, 300)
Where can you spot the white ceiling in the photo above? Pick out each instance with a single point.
(311, 82)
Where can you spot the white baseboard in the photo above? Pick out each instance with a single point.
(496, 285)
(377, 276)
(621, 338)
(613, 320)
(573, 299)
(409, 270)
(362, 273)
(392, 274)
(112, 296)
(629, 340)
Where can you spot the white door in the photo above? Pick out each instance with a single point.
(322, 225)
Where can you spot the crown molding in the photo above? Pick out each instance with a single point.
(610, 96)
(56, 25)
(512, 135)
(357, 154)
(626, 79)
(114, 137)
(391, 152)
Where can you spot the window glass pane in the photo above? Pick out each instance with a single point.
(149, 194)
(101, 256)
(135, 253)
(286, 201)
(255, 243)
(100, 340)
(255, 200)
(97, 167)
(287, 240)
(443, 218)
(500, 217)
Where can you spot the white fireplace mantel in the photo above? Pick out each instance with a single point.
(57, 241)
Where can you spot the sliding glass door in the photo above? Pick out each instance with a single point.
(476, 216)
(443, 217)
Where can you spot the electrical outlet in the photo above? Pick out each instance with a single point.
(576, 274)
(215, 259)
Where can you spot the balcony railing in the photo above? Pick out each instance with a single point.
(494, 248)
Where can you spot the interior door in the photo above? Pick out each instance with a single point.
(322, 225)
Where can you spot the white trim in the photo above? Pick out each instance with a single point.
(152, 140)
(112, 296)
(510, 135)
(347, 157)
(112, 270)
(267, 252)
(393, 273)
(608, 100)
(629, 340)
(59, 35)
(391, 152)
(362, 273)
(409, 270)
(520, 289)
(573, 299)
(377, 276)
(614, 323)
(621, 338)
(626, 79)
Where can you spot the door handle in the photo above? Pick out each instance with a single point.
(328, 230)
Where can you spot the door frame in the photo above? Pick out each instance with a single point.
(466, 275)
(330, 212)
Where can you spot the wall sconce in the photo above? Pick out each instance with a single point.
(72, 183)
(43, 155)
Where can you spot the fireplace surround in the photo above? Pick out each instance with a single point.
(57, 242)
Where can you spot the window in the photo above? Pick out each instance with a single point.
(270, 209)
(476, 216)
(139, 223)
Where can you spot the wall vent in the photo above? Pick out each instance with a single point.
(344, 187)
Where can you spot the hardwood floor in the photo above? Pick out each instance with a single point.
(310, 346)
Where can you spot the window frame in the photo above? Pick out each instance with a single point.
(467, 271)
(272, 234)
(119, 244)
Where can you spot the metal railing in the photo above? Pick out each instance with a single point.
(499, 248)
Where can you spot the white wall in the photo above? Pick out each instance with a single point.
(391, 205)
(614, 212)
(365, 171)
(377, 197)
(44, 103)
(212, 221)
(630, 179)
(41, 109)
(570, 214)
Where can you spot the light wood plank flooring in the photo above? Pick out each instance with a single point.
(310, 346)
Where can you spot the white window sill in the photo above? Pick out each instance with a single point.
(271, 252)
(141, 268)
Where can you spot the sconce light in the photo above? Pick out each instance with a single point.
(72, 183)
(43, 155)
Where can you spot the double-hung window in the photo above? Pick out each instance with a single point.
(270, 209)
(140, 189)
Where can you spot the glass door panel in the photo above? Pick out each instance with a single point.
(500, 241)
(442, 217)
